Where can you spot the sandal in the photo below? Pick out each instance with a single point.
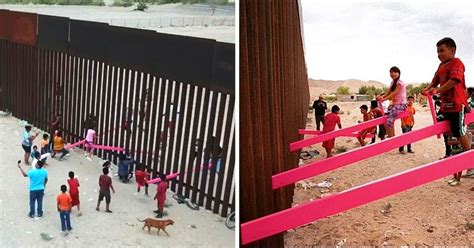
(451, 180)
(455, 183)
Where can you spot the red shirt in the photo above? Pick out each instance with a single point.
(453, 99)
(73, 185)
(161, 191)
(330, 121)
(141, 177)
(104, 183)
(376, 112)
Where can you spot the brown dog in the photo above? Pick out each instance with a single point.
(160, 224)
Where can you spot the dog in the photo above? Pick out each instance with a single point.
(160, 224)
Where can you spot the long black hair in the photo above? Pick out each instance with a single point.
(395, 81)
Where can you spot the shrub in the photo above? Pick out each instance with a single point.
(343, 90)
(141, 6)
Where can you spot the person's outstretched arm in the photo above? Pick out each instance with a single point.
(21, 169)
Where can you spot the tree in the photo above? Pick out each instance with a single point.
(370, 90)
(412, 91)
(343, 90)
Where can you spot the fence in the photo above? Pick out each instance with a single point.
(167, 99)
(274, 95)
(169, 21)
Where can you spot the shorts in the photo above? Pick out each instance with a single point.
(392, 113)
(106, 195)
(27, 149)
(456, 122)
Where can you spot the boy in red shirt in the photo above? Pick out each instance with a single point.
(330, 121)
(160, 196)
(141, 177)
(364, 110)
(105, 184)
(450, 78)
(64, 208)
(74, 192)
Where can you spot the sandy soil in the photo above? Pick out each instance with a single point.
(220, 26)
(433, 214)
(119, 229)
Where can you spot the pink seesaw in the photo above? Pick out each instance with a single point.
(316, 132)
(325, 165)
(309, 212)
(341, 132)
(174, 175)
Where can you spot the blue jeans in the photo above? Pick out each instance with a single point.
(36, 195)
(65, 220)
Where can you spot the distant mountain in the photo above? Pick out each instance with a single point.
(329, 87)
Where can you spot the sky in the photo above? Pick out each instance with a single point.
(362, 40)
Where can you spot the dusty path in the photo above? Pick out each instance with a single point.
(93, 229)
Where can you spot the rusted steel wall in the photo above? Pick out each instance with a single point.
(169, 122)
(274, 98)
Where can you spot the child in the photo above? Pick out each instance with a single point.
(74, 191)
(364, 110)
(35, 153)
(107, 165)
(59, 146)
(64, 208)
(376, 113)
(54, 125)
(141, 177)
(160, 196)
(450, 78)
(125, 165)
(45, 145)
(330, 121)
(105, 184)
(396, 93)
(27, 142)
(408, 122)
(91, 138)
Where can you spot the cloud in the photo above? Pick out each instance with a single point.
(363, 40)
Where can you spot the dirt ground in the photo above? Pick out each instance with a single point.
(429, 215)
(93, 229)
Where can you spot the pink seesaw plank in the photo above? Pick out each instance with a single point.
(110, 148)
(321, 166)
(341, 132)
(75, 144)
(168, 177)
(316, 132)
(325, 165)
(176, 174)
(321, 208)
